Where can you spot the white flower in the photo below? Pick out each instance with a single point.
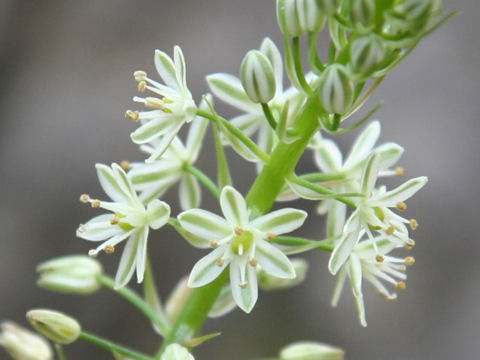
(171, 111)
(240, 243)
(154, 178)
(176, 352)
(23, 344)
(362, 264)
(373, 214)
(130, 219)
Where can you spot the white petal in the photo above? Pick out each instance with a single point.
(346, 243)
(180, 68)
(195, 137)
(390, 153)
(167, 138)
(207, 269)
(110, 184)
(204, 224)
(124, 182)
(336, 217)
(158, 213)
(328, 156)
(337, 290)
(280, 221)
(233, 207)
(152, 130)
(229, 89)
(141, 257)
(363, 145)
(247, 123)
(166, 69)
(189, 192)
(370, 173)
(246, 295)
(273, 261)
(127, 261)
(400, 193)
(99, 228)
(355, 272)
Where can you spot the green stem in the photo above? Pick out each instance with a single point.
(297, 60)
(318, 176)
(315, 62)
(60, 352)
(223, 171)
(269, 116)
(111, 346)
(137, 301)
(222, 122)
(325, 245)
(204, 179)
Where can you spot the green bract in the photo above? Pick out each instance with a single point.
(241, 244)
(54, 325)
(257, 76)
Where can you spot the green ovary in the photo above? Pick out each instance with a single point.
(241, 243)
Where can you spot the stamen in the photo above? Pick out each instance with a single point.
(95, 203)
(390, 230)
(401, 285)
(154, 103)
(399, 170)
(379, 258)
(219, 261)
(132, 115)
(141, 86)
(271, 235)
(409, 260)
(413, 224)
(238, 230)
(92, 253)
(125, 165)
(109, 249)
(401, 206)
(410, 244)
(84, 198)
(243, 286)
(81, 228)
(139, 75)
(213, 243)
(253, 262)
(114, 220)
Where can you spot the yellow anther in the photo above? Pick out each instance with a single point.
(84, 198)
(401, 206)
(141, 86)
(253, 262)
(92, 253)
(399, 170)
(243, 286)
(219, 262)
(401, 285)
(95, 203)
(213, 243)
(81, 228)
(114, 220)
(271, 235)
(154, 103)
(410, 244)
(109, 249)
(409, 260)
(139, 75)
(413, 224)
(132, 115)
(125, 165)
(379, 258)
(238, 230)
(390, 230)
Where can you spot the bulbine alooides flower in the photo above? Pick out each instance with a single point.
(129, 219)
(241, 244)
(171, 110)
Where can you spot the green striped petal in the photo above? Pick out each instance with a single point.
(280, 221)
(273, 261)
(204, 224)
(234, 207)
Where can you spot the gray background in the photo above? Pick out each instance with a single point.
(65, 83)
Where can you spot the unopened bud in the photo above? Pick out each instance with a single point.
(417, 14)
(23, 344)
(54, 325)
(310, 16)
(75, 274)
(257, 76)
(176, 352)
(336, 89)
(362, 13)
(328, 7)
(366, 54)
(270, 282)
(309, 350)
(288, 18)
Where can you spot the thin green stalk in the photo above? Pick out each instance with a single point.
(223, 171)
(222, 122)
(268, 114)
(204, 179)
(111, 346)
(150, 294)
(137, 301)
(325, 245)
(297, 60)
(318, 176)
(315, 62)
(60, 352)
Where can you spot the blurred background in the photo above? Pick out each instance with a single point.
(66, 80)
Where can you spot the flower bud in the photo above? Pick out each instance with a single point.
(176, 352)
(288, 18)
(362, 12)
(54, 325)
(23, 344)
(417, 14)
(74, 274)
(328, 7)
(309, 350)
(311, 18)
(366, 54)
(269, 282)
(336, 89)
(257, 76)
